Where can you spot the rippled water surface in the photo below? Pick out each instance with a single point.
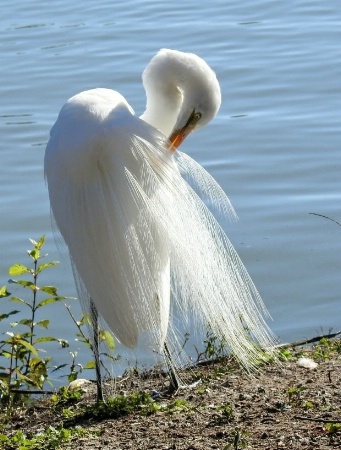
(274, 146)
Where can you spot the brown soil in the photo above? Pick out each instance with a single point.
(283, 407)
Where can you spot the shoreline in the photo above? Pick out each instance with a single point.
(283, 406)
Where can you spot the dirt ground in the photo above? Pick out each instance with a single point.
(285, 406)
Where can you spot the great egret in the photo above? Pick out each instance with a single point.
(131, 212)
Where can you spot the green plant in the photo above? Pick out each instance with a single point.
(238, 440)
(114, 407)
(175, 406)
(295, 393)
(105, 339)
(226, 413)
(50, 439)
(285, 354)
(20, 347)
(75, 368)
(65, 396)
(333, 427)
(215, 347)
(23, 366)
(120, 405)
(326, 349)
(308, 404)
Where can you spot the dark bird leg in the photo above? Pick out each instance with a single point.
(94, 321)
(174, 383)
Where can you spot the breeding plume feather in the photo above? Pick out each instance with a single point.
(131, 210)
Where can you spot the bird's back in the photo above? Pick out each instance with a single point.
(103, 166)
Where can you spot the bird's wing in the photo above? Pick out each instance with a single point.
(103, 176)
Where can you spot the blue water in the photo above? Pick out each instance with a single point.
(274, 146)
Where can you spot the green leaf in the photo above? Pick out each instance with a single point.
(34, 254)
(85, 319)
(5, 316)
(309, 404)
(4, 292)
(49, 300)
(72, 377)
(18, 269)
(38, 365)
(17, 300)
(26, 322)
(30, 382)
(90, 365)
(45, 302)
(44, 266)
(44, 323)
(333, 427)
(26, 335)
(28, 346)
(62, 342)
(23, 283)
(49, 290)
(45, 339)
(85, 341)
(108, 338)
(61, 366)
(41, 242)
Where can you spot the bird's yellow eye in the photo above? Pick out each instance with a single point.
(197, 116)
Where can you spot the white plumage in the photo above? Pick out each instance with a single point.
(130, 209)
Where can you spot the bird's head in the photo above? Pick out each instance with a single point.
(188, 93)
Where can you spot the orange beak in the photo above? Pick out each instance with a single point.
(178, 136)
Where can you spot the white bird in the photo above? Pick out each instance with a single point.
(143, 245)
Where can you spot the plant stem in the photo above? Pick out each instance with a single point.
(11, 366)
(86, 339)
(33, 309)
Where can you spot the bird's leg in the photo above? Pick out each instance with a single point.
(94, 321)
(174, 380)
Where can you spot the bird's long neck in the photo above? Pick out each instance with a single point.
(164, 102)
